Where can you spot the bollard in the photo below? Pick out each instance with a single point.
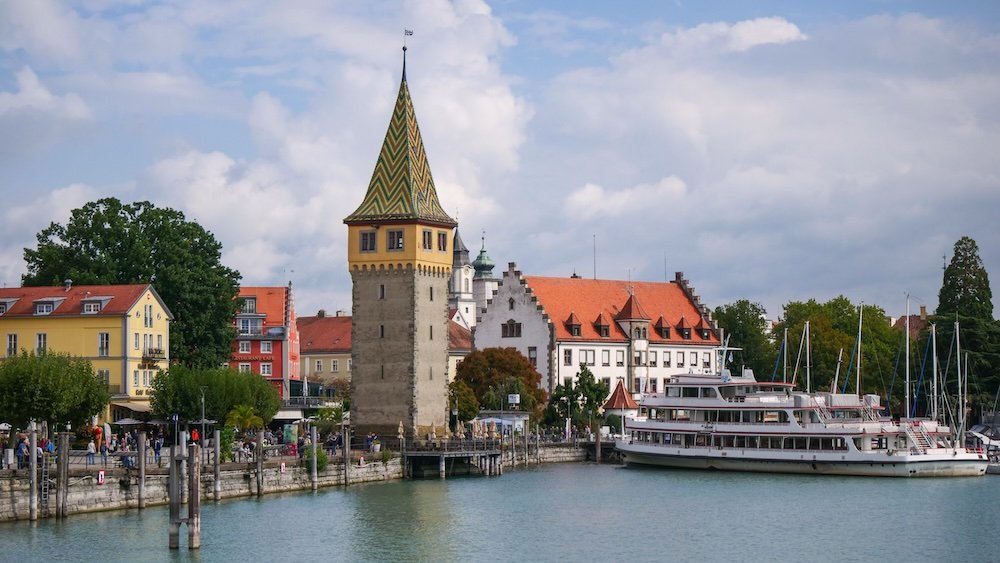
(194, 497)
(175, 501)
(260, 463)
(441, 467)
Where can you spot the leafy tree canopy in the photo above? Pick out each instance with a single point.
(581, 403)
(179, 391)
(51, 387)
(492, 373)
(461, 396)
(108, 242)
(965, 290)
(746, 326)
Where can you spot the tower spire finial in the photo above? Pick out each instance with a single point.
(406, 32)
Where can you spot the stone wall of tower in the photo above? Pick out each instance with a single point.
(399, 361)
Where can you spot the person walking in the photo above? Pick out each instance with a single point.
(104, 453)
(91, 450)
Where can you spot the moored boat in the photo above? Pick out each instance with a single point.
(737, 423)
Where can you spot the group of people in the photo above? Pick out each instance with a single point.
(22, 449)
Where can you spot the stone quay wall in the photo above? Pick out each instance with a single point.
(120, 489)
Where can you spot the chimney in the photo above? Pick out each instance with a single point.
(341, 313)
(923, 312)
(67, 285)
(321, 313)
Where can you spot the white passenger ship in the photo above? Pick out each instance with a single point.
(740, 424)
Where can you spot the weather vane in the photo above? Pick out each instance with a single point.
(406, 32)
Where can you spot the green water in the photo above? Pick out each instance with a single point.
(562, 512)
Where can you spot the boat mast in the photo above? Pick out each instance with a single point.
(907, 371)
(808, 360)
(784, 360)
(861, 314)
(934, 408)
(961, 392)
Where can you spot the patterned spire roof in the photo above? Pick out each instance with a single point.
(401, 187)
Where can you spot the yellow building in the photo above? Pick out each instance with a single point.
(124, 330)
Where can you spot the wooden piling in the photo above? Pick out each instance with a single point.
(216, 472)
(174, 496)
(142, 469)
(33, 477)
(194, 497)
(313, 476)
(259, 452)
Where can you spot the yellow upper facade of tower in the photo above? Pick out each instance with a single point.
(400, 222)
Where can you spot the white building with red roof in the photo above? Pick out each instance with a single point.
(637, 332)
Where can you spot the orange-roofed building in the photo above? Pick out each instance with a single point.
(267, 337)
(325, 343)
(640, 333)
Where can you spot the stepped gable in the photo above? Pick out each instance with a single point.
(401, 188)
(590, 298)
(619, 399)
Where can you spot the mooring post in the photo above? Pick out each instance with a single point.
(260, 462)
(62, 473)
(142, 469)
(175, 499)
(598, 446)
(216, 473)
(313, 476)
(194, 496)
(182, 466)
(33, 467)
(441, 467)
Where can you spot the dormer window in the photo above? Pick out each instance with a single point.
(43, 308)
(573, 324)
(91, 307)
(665, 332)
(249, 305)
(686, 334)
(3, 308)
(704, 334)
(602, 325)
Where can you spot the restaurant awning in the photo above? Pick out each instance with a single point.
(136, 406)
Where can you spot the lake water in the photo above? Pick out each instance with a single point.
(559, 512)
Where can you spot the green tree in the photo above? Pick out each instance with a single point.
(244, 417)
(52, 387)
(179, 391)
(108, 242)
(329, 419)
(461, 396)
(966, 298)
(492, 373)
(591, 393)
(746, 325)
(581, 403)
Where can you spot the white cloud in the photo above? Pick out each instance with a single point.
(594, 201)
(32, 95)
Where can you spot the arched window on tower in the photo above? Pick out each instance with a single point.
(510, 303)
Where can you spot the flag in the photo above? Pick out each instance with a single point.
(407, 32)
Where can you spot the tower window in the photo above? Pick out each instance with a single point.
(381, 291)
(381, 331)
(442, 241)
(432, 332)
(510, 304)
(395, 240)
(432, 294)
(368, 241)
(428, 239)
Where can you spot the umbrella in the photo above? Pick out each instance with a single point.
(492, 429)
(433, 433)
(4, 426)
(460, 429)
(401, 431)
(447, 433)
(128, 422)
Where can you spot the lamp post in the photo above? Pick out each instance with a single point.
(203, 417)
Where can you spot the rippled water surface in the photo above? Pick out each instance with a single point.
(563, 512)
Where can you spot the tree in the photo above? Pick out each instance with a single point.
(492, 373)
(590, 392)
(580, 403)
(243, 417)
(746, 325)
(461, 396)
(52, 387)
(108, 242)
(179, 391)
(966, 298)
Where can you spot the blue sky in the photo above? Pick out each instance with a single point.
(772, 151)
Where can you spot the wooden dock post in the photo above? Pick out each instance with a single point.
(33, 477)
(194, 497)
(347, 455)
(142, 468)
(441, 467)
(259, 451)
(173, 493)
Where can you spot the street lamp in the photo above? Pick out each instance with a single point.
(203, 417)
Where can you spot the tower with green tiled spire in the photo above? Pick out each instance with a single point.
(400, 258)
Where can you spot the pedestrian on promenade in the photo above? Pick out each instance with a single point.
(91, 450)
(21, 453)
(104, 453)
(157, 445)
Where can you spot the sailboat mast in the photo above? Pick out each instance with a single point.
(934, 408)
(907, 369)
(961, 392)
(784, 360)
(861, 314)
(808, 360)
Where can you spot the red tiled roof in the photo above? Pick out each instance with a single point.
(120, 298)
(631, 310)
(459, 337)
(602, 320)
(324, 335)
(573, 319)
(917, 324)
(589, 298)
(271, 302)
(619, 399)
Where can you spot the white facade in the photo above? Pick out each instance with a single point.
(516, 318)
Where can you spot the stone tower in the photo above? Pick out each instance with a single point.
(400, 257)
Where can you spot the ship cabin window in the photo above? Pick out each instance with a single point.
(708, 392)
(673, 391)
(689, 392)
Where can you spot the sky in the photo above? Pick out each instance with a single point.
(772, 151)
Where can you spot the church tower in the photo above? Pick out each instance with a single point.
(400, 258)
(460, 296)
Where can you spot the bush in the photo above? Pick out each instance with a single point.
(386, 456)
(322, 460)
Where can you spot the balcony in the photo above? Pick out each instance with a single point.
(150, 356)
